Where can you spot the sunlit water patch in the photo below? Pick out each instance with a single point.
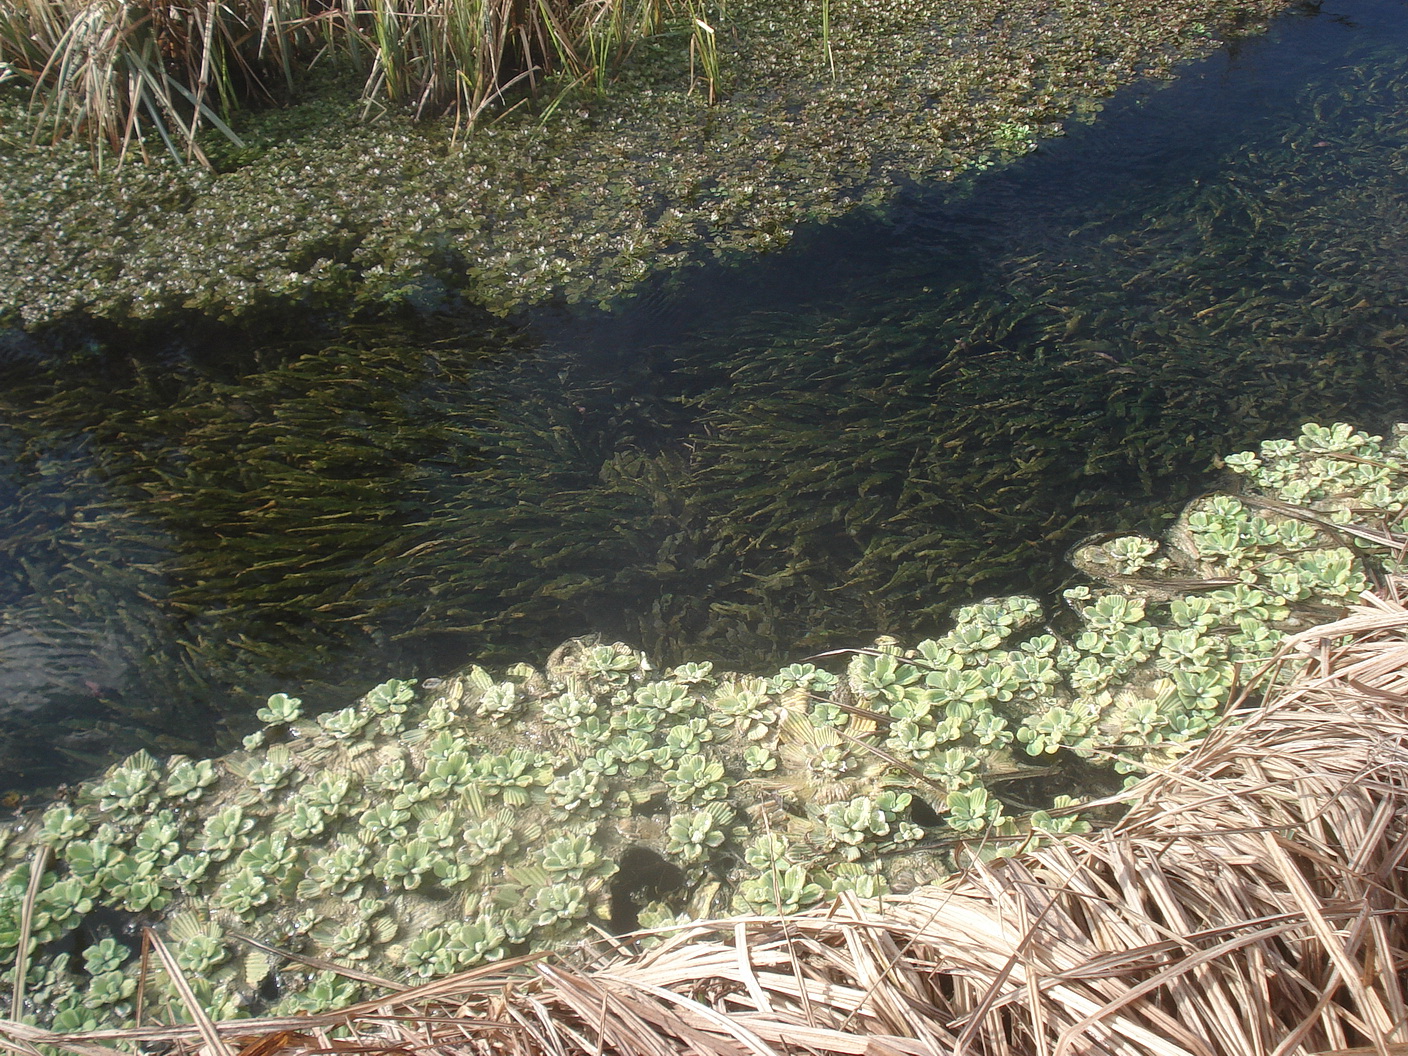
(849, 438)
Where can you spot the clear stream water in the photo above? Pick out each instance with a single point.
(748, 463)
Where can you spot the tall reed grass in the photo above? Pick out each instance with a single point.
(119, 72)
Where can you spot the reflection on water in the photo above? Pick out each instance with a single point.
(897, 414)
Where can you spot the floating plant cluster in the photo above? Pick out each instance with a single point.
(584, 201)
(433, 827)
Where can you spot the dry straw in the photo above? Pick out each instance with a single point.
(117, 71)
(1250, 902)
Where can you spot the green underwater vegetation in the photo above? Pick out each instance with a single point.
(209, 527)
(440, 825)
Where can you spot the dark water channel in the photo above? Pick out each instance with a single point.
(895, 415)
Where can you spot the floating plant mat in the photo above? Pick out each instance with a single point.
(580, 197)
(949, 402)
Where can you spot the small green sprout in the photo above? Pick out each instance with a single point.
(864, 881)
(383, 822)
(275, 771)
(202, 951)
(510, 776)
(1113, 613)
(280, 709)
(1090, 675)
(956, 684)
(350, 941)
(158, 840)
(696, 778)
(186, 872)
(1060, 726)
(243, 892)
(952, 768)
(109, 988)
(71, 1020)
(1131, 553)
(998, 681)
(604, 663)
(130, 785)
(1190, 651)
(476, 942)
(803, 676)
(693, 674)
(188, 779)
(392, 695)
(558, 902)
(914, 707)
(487, 838)
(303, 821)
(62, 903)
(1035, 676)
(499, 701)
(105, 955)
(440, 830)
(1044, 821)
(571, 858)
(971, 810)
(991, 731)
(340, 871)
(327, 793)
(405, 865)
(448, 776)
(388, 777)
(569, 710)
(694, 836)
(909, 738)
(271, 857)
(345, 723)
(577, 790)
(767, 851)
(758, 759)
(62, 825)
(884, 677)
(972, 639)
(669, 697)
(780, 891)
(224, 832)
(91, 861)
(850, 824)
(328, 990)
(685, 738)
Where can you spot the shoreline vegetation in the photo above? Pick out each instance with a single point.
(434, 828)
(1250, 899)
(337, 205)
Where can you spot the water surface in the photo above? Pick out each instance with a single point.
(897, 414)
